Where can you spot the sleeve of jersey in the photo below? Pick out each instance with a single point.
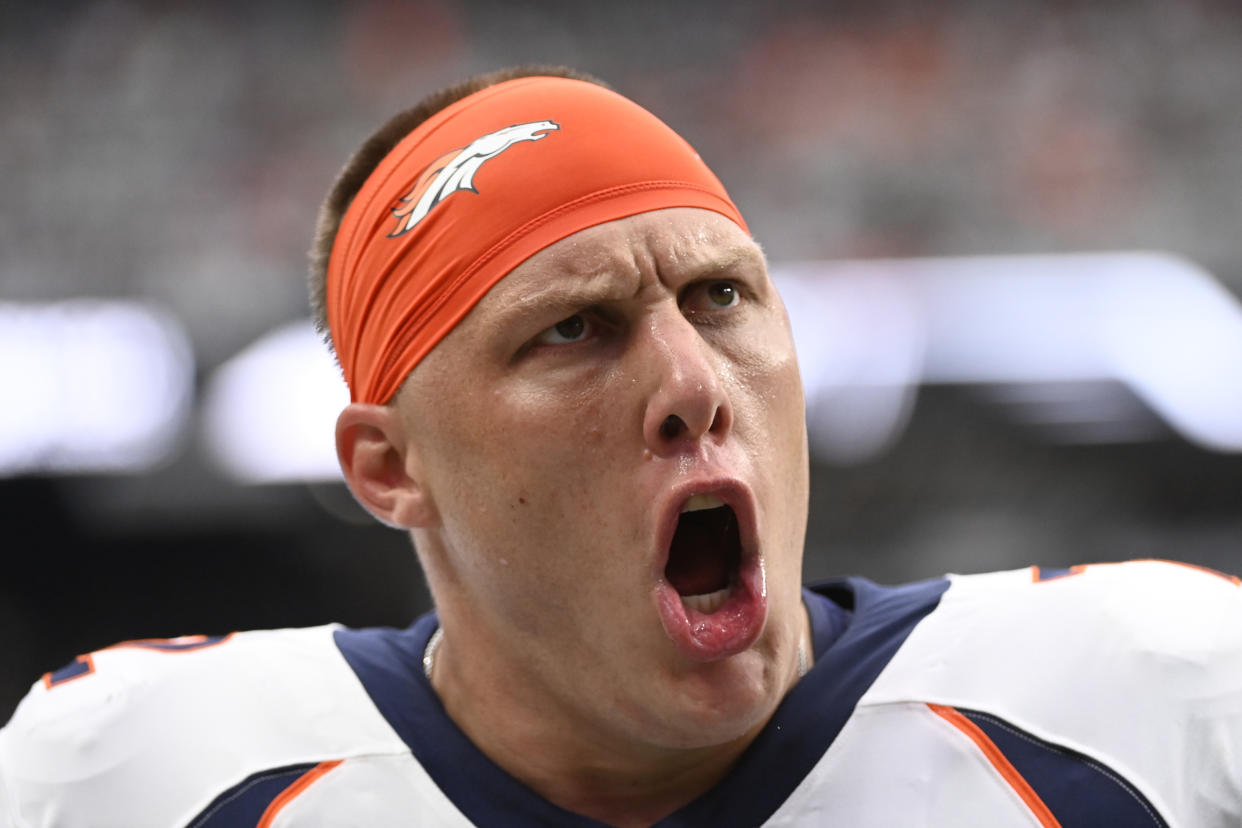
(7, 817)
(144, 734)
(1135, 667)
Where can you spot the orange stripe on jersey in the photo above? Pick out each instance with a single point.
(294, 791)
(1207, 570)
(1003, 766)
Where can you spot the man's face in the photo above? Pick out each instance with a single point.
(616, 425)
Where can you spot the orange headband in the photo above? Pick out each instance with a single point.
(477, 189)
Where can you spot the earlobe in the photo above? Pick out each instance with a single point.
(380, 467)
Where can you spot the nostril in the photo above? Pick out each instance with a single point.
(672, 427)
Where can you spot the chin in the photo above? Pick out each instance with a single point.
(720, 702)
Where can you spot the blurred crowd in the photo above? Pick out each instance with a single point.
(178, 151)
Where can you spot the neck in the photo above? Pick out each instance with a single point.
(622, 785)
(568, 761)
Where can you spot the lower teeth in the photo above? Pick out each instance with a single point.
(706, 603)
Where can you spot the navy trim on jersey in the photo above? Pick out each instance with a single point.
(1042, 574)
(814, 711)
(245, 802)
(850, 651)
(828, 620)
(389, 664)
(1080, 791)
(80, 666)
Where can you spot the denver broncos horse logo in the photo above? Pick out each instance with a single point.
(454, 171)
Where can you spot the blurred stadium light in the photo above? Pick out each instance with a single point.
(91, 386)
(1037, 326)
(1053, 332)
(269, 413)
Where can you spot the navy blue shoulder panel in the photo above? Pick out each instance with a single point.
(245, 802)
(1080, 791)
(390, 665)
(857, 628)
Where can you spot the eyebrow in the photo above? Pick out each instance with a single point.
(730, 259)
(574, 290)
(565, 297)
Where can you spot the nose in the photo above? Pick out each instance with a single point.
(687, 401)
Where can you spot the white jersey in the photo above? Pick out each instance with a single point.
(1107, 695)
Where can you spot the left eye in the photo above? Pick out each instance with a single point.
(569, 330)
(722, 294)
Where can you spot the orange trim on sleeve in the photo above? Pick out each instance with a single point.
(1206, 570)
(1003, 766)
(294, 791)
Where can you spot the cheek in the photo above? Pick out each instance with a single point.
(536, 509)
(562, 431)
(767, 370)
(527, 466)
(773, 423)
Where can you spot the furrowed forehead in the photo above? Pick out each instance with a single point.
(613, 261)
(679, 242)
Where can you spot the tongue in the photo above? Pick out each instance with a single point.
(696, 563)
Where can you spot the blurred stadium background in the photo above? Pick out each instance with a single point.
(163, 161)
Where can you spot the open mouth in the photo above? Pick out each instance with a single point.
(712, 595)
(705, 555)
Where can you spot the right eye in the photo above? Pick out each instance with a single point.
(569, 330)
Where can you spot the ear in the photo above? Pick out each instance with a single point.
(381, 467)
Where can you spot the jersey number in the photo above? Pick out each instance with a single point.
(84, 665)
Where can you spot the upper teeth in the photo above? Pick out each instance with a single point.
(699, 502)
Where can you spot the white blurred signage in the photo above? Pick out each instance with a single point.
(869, 331)
(269, 413)
(91, 386)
